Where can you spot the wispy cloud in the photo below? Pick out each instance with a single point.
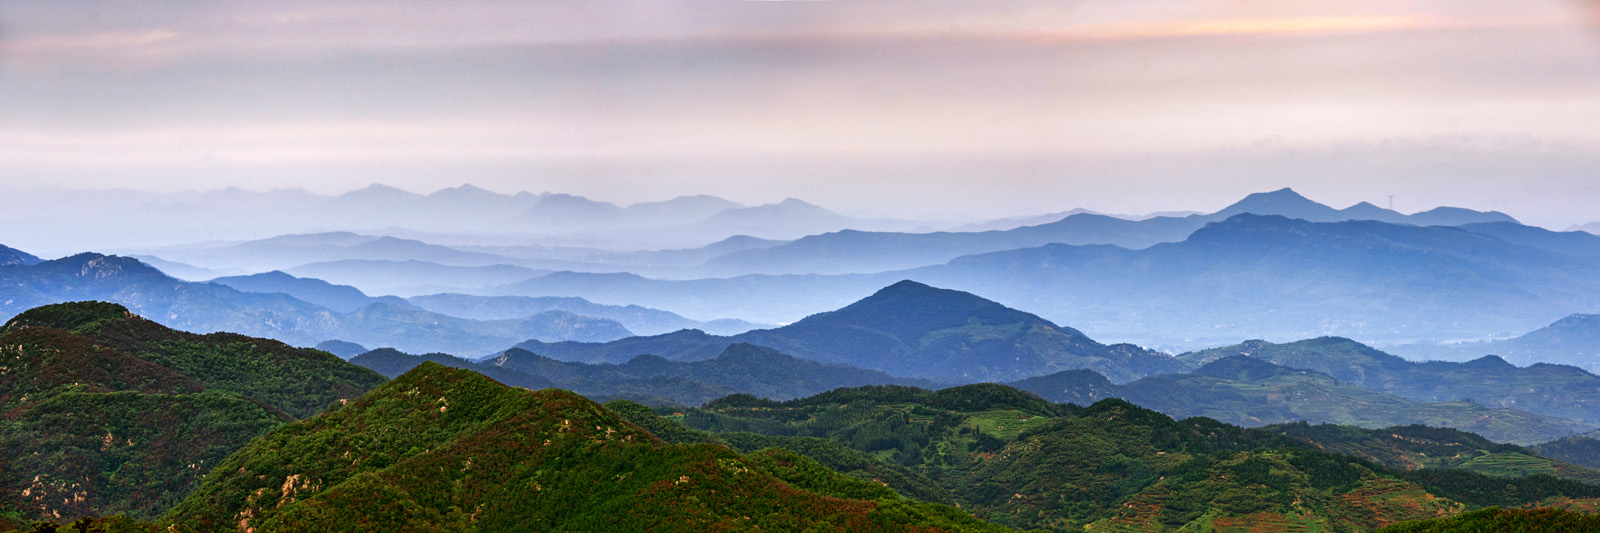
(44, 34)
(380, 91)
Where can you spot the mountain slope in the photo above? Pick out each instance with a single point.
(1251, 392)
(1248, 276)
(412, 276)
(864, 252)
(911, 329)
(1116, 466)
(341, 298)
(906, 329)
(1417, 447)
(14, 257)
(1573, 340)
(286, 251)
(679, 211)
(1272, 276)
(1495, 519)
(1017, 460)
(107, 413)
(639, 320)
(740, 368)
(207, 307)
(299, 381)
(1580, 450)
(461, 451)
(341, 348)
(405, 326)
(1552, 390)
(393, 363)
(789, 219)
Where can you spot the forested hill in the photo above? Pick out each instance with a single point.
(108, 413)
(441, 449)
(906, 329)
(1015, 459)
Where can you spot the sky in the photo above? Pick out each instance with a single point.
(930, 110)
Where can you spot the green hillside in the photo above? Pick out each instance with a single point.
(299, 381)
(1551, 390)
(1417, 447)
(442, 449)
(1252, 392)
(1504, 521)
(107, 413)
(1580, 450)
(1017, 460)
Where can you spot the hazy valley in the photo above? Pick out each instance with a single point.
(796, 266)
(1059, 372)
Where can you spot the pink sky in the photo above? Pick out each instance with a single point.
(944, 110)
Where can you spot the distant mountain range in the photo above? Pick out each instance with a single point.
(1168, 282)
(1547, 389)
(1035, 220)
(15, 257)
(866, 252)
(135, 222)
(906, 329)
(341, 298)
(741, 368)
(287, 251)
(1253, 393)
(1248, 276)
(1335, 380)
(108, 413)
(412, 276)
(208, 307)
(1574, 340)
(640, 320)
(346, 299)
(828, 243)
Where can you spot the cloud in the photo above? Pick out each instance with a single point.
(711, 94)
(97, 34)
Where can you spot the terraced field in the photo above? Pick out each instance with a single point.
(1004, 424)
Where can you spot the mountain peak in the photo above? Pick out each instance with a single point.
(792, 205)
(274, 275)
(1489, 361)
(1283, 201)
(14, 257)
(907, 286)
(912, 296)
(1285, 194)
(907, 310)
(101, 267)
(745, 351)
(377, 191)
(1578, 321)
(466, 190)
(69, 316)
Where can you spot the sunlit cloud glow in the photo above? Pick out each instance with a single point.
(332, 95)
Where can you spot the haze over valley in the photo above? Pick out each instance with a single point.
(784, 266)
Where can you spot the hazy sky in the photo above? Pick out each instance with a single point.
(921, 109)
